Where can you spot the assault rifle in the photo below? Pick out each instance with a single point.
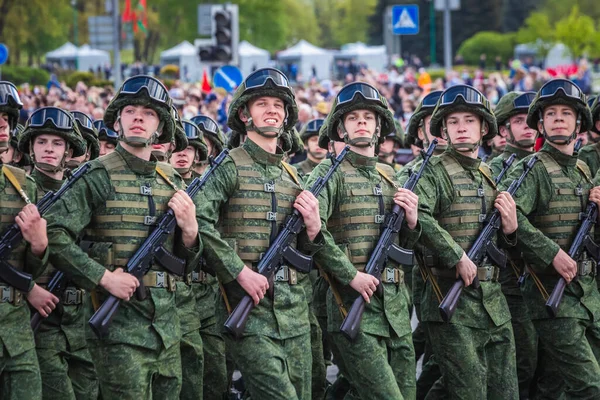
(280, 249)
(151, 250)
(12, 236)
(582, 242)
(483, 248)
(385, 249)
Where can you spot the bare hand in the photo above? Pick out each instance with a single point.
(466, 269)
(364, 284)
(255, 284)
(508, 212)
(33, 228)
(185, 214)
(308, 205)
(119, 283)
(565, 265)
(409, 201)
(42, 300)
(595, 195)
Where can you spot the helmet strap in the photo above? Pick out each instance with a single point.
(270, 132)
(560, 139)
(139, 141)
(4, 145)
(62, 165)
(362, 141)
(462, 147)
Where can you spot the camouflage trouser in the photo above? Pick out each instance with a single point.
(19, 375)
(131, 372)
(273, 369)
(573, 348)
(475, 363)
(548, 383)
(526, 343)
(319, 370)
(378, 367)
(192, 366)
(215, 373)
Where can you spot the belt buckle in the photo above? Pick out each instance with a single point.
(282, 274)
(271, 216)
(160, 279)
(6, 291)
(149, 220)
(269, 187)
(146, 190)
(389, 275)
(70, 297)
(379, 219)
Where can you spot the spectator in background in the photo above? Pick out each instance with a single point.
(304, 115)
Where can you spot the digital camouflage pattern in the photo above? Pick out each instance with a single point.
(380, 364)
(449, 208)
(549, 191)
(590, 155)
(65, 362)
(18, 360)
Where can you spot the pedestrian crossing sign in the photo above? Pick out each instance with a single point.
(405, 19)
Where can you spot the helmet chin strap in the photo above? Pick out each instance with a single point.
(560, 139)
(196, 162)
(4, 145)
(270, 132)
(523, 143)
(139, 141)
(591, 139)
(318, 156)
(361, 141)
(463, 147)
(62, 165)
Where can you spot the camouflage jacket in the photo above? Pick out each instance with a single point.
(286, 314)
(151, 323)
(383, 315)
(305, 167)
(591, 156)
(496, 164)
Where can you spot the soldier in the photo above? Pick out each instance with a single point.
(380, 363)
(511, 117)
(591, 154)
(240, 209)
(90, 135)
(498, 143)
(12, 155)
(19, 368)
(548, 205)
(475, 350)
(51, 137)
(116, 204)
(389, 148)
(107, 138)
(314, 153)
(213, 137)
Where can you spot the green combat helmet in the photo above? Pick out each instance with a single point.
(463, 98)
(511, 104)
(52, 121)
(89, 133)
(143, 90)
(417, 120)
(291, 142)
(310, 129)
(195, 138)
(10, 103)
(397, 136)
(25, 160)
(564, 92)
(178, 143)
(265, 82)
(212, 132)
(595, 110)
(104, 133)
(359, 96)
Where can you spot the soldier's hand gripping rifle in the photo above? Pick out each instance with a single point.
(281, 249)
(483, 248)
(385, 248)
(582, 242)
(12, 236)
(151, 250)
(56, 286)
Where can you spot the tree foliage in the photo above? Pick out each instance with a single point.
(492, 44)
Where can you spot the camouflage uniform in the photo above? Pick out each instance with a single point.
(380, 362)
(19, 369)
(591, 154)
(475, 350)
(548, 206)
(241, 206)
(115, 205)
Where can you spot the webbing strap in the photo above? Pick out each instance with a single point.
(290, 171)
(166, 178)
(386, 177)
(14, 181)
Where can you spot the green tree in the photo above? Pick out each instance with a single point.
(539, 32)
(353, 17)
(490, 43)
(577, 32)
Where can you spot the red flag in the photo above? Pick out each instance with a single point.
(141, 17)
(205, 82)
(127, 14)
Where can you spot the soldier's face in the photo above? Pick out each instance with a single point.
(184, 158)
(559, 120)
(266, 111)
(138, 121)
(7, 156)
(463, 127)
(387, 146)
(313, 148)
(50, 149)
(520, 129)
(360, 123)
(499, 142)
(4, 127)
(106, 147)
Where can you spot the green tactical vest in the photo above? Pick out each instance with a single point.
(10, 205)
(120, 226)
(561, 221)
(356, 223)
(464, 219)
(253, 214)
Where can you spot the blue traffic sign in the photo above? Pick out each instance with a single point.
(228, 77)
(3, 53)
(405, 19)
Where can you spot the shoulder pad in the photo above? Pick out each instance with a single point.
(109, 161)
(583, 167)
(240, 156)
(19, 173)
(387, 169)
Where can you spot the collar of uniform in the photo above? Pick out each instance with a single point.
(311, 163)
(136, 164)
(45, 182)
(358, 160)
(561, 158)
(510, 149)
(260, 155)
(466, 162)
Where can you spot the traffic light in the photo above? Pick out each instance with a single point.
(225, 36)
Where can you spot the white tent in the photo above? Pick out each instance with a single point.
(306, 57)
(68, 55)
(252, 57)
(185, 56)
(374, 57)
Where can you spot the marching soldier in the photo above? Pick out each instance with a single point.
(591, 154)
(314, 153)
(213, 138)
(90, 135)
(107, 138)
